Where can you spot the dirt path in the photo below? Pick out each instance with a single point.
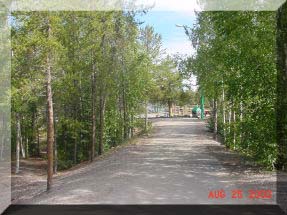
(178, 164)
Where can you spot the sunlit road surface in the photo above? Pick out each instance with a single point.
(179, 163)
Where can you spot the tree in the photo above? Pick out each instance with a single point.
(171, 87)
(151, 45)
(234, 65)
(50, 110)
(282, 87)
(35, 47)
(79, 80)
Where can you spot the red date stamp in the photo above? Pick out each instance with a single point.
(239, 194)
(260, 194)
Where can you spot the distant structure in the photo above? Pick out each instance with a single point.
(181, 111)
(159, 110)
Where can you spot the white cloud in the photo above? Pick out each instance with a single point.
(182, 47)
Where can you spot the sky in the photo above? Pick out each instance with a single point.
(173, 38)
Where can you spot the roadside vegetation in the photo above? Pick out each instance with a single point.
(82, 83)
(236, 68)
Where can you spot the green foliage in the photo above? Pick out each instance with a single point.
(168, 86)
(281, 105)
(168, 82)
(109, 46)
(64, 164)
(236, 56)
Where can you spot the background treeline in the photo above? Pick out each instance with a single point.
(81, 81)
(235, 64)
(281, 104)
(98, 80)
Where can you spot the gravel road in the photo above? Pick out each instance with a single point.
(179, 163)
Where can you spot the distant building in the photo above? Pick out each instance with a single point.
(159, 110)
(180, 111)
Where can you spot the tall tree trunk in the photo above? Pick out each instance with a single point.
(75, 128)
(65, 141)
(215, 118)
(75, 148)
(126, 121)
(120, 130)
(18, 140)
(102, 123)
(22, 145)
(2, 147)
(27, 147)
(24, 139)
(83, 146)
(34, 133)
(223, 113)
(282, 88)
(241, 120)
(38, 142)
(50, 117)
(146, 116)
(229, 119)
(55, 149)
(93, 145)
(170, 109)
(37, 129)
(234, 127)
(132, 125)
(102, 97)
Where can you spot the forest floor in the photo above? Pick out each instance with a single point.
(178, 163)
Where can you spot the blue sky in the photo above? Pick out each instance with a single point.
(173, 38)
